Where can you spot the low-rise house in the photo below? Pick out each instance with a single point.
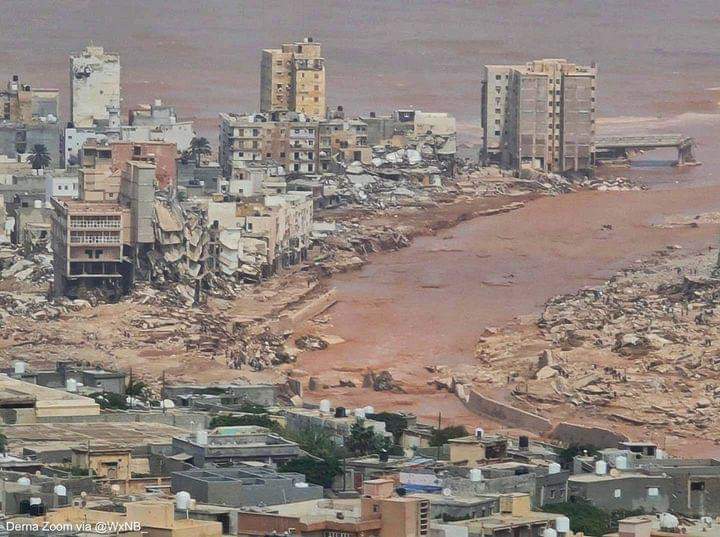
(515, 517)
(473, 450)
(622, 490)
(362, 517)
(245, 486)
(22, 402)
(225, 446)
(110, 463)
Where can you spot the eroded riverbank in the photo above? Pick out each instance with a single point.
(429, 303)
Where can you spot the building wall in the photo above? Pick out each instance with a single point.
(95, 85)
(633, 493)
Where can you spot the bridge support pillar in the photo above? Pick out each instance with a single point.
(685, 155)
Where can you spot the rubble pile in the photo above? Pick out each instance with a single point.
(493, 181)
(36, 268)
(640, 350)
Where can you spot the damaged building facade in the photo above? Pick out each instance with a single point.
(540, 115)
(28, 117)
(258, 237)
(292, 78)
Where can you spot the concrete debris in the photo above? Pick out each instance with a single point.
(382, 382)
(311, 343)
(624, 350)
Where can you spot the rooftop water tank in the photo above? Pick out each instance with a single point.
(600, 468)
(35, 501)
(325, 405)
(549, 532)
(71, 385)
(182, 500)
(24, 481)
(167, 403)
(60, 490)
(621, 462)
(562, 524)
(475, 475)
(201, 437)
(38, 204)
(20, 367)
(369, 410)
(360, 413)
(301, 485)
(554, 468)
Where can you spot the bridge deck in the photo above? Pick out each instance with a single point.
(644, 141)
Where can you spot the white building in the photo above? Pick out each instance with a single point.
(158, 123)
(61, 185)
(95, 85)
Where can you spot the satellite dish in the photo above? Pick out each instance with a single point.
(446, 492)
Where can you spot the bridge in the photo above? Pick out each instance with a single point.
(621, 149)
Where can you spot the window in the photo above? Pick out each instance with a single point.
(498, 77)
(497, 133)
(697, 485)
(497, 110)
(248, 226)
(282, 155)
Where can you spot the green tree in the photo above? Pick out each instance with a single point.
(39, 159)
(199, 146)
(110, 400)
(364, 441)
(3, 443)
(567, 454)
(394, 423)
(261, 420)
(320, 472)
(440, 437)
(137, 389)
(585, 517)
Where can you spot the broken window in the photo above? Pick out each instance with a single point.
(697, 485)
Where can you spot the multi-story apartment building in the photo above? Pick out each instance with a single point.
(300, 146)
(87, 242)
(541, 115)
(342, 140)
(29, 117)
(293, 78)
(95, 85)
(283, 138)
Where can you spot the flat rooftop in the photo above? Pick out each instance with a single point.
(44, 437)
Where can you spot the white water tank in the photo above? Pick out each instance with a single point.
(600, 468)
(24, 481)
(20, 367)
(301, 485)
(325, 405)
(549, 532)
(668, 521)
(562, 524)
(182, 500)
(167, 403)
(475, 475)
(38, 204)
(35, 501)
(479, 433)
(369, 410)
(621, 462)
(71, 385)
(60, 490)
(359, 413)
(201, 437)
(554, 468)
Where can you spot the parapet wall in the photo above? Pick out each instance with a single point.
(506, 414)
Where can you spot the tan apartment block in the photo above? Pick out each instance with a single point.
(292, 78)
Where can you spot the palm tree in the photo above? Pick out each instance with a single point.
(199, 147)
(39, 158)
